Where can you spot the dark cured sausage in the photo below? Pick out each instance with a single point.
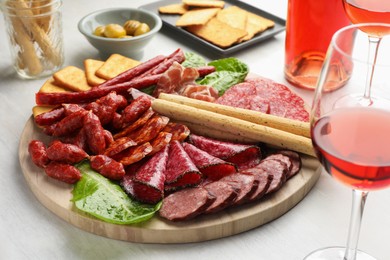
(186, 204)
(66, 153)
(63, 172)
(245, 184)
(148, 181)
(38, 153)
(264, 179)
(94, 93)
(243, 155)
(94, 133)
(133, 72)
(278, 170)
(107, 167)
(181, 171)
(296, 162)
(212, 167)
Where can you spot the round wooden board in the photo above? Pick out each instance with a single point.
(56, 196)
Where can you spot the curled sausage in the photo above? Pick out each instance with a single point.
(66, 153)
(95, 133)
(63, 172)
(38, 153)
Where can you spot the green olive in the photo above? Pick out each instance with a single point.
(143, 28)
(99, 31)
(114, 31)
(130, 26)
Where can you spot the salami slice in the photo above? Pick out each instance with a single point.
(225, 196)
(186, 204)
(245, 184)
(181, 171)
(283, 158)
(150, 130)
(210, 166)
(133, 154)
(137, 124)
(149, 179)
(296, 162)
(278, 170)
(243, 155)
(135, 109)
(160, 141)
(179, 131)
(119, 145)
(264, 179)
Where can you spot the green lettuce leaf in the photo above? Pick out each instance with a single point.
(105, 200)
(193, 60)
(229, 72)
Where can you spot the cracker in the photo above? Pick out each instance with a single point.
(197, 17)
(256, 24)
(233, 16)
(218, 33)
(72, 78)
(50, 87)
(115, 65)
(91, 66)
(173, 9)
(204, 3)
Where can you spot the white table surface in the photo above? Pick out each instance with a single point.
(29, 231)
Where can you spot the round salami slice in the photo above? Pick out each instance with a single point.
(225, 196)
(245, 184)
(181, 170)
(243, 155)
(211, 166)
(296, 162)
(186, 204)
(278, 170)
(119, 145)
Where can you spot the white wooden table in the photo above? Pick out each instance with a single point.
(29, 231)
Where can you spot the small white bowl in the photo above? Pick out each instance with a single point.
(129, 47)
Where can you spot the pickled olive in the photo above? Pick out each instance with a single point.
(99, 31)
(130, 26)
(114, 31)
(143, 28)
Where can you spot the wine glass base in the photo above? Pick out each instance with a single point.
(335, 253)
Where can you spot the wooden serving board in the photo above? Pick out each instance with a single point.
(56, 196)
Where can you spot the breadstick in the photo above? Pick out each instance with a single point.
(285, 124)
(234, 126)
(27, 54)
(25, 14)
(42, 7)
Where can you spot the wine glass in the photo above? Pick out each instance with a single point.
(369, 11)
(351, 135)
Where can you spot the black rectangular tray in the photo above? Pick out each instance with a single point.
(169, 21)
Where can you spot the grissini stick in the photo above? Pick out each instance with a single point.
(285, 124)
(234, 126)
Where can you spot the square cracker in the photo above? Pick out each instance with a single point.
(91, 66)
(256, 24)
(173, 9)
(233, 16)
(72, 78)
(115, 65)
(50, 87)
(218, 33)
(197, 17)
(204, 3)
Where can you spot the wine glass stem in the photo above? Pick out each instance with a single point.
(372, 55)
(358, 202)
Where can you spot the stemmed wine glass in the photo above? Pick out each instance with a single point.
(350, 126)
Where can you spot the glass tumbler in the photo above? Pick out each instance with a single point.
(35, 36)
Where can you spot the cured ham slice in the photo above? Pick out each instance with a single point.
(243, 155)
(181, 171)
(210, 166)
(180, 80)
